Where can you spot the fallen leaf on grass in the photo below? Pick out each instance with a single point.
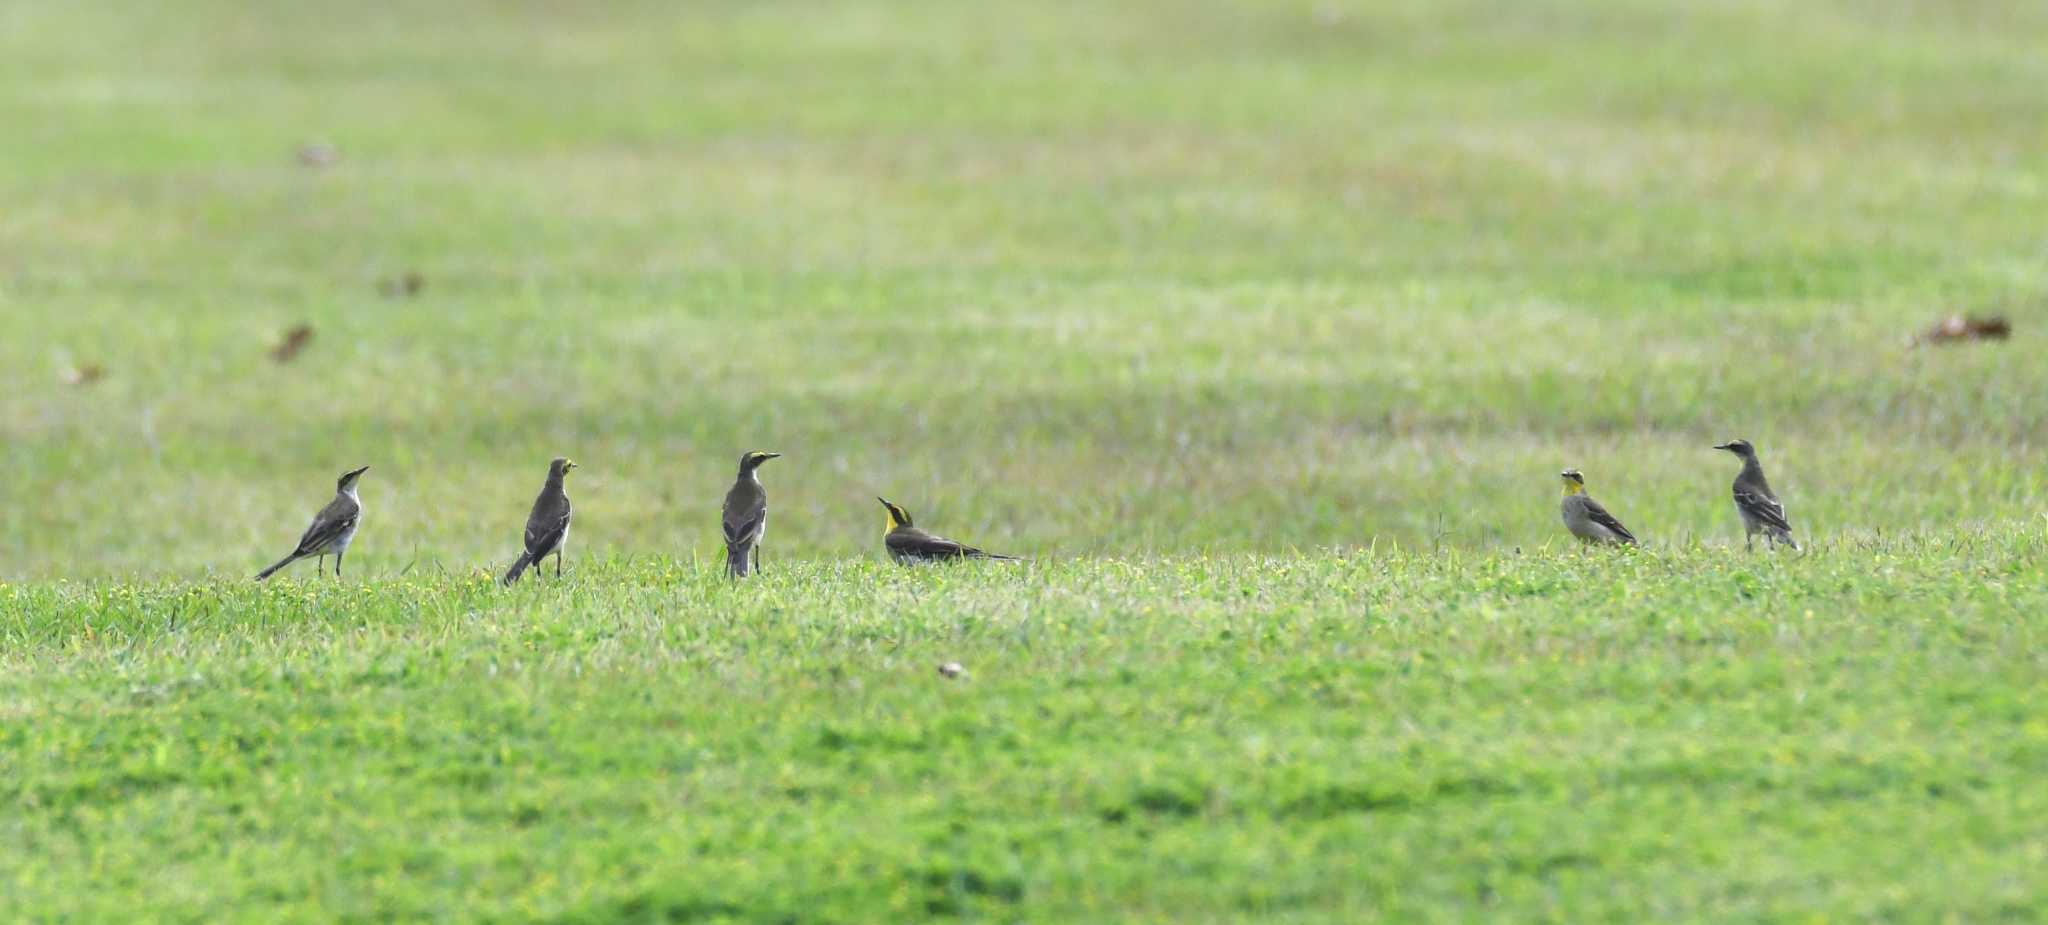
(405, 286)
(318, 154)
(1957, 328)
(83, 375)
(294, 341)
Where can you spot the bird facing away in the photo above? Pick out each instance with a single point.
(1760, 508)
(1585, 518)
(745, 516)
(332, 528)
(911, 545)
(547, 526)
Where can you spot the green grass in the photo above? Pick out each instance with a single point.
(1292, 309)
(1628, 737)
(1225, 278)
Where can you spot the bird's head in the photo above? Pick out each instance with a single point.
(898, 517)
(752, 460)
(560, 467)
(348, 479)
(1740, 448)
(1574, 482)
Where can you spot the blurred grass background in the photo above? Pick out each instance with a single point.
(1061, 278)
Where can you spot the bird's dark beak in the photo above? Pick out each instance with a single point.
(356, 472)
(771, 455)
(1723, 446)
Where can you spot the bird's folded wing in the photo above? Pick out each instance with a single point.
(744, 512)
(325, 529)
(927, 544)
(1599, 515)
(1764, 508)
(544, 534)
(744, 526)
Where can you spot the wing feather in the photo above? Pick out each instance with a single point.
(542, 535)
(324, 531)
(1766, 509)
(745, 513)
(1599, 515)
(929, 545)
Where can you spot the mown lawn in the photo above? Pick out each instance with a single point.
(1650, 736)
(1263, 328)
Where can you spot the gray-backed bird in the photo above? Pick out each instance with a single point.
(1760, 508)
(547, 525)
(910, 545)
(1585, 518)
(332, 528)
(745, 516)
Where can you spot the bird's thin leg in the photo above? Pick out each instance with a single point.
(757, 557)
(320, 567)
(558, 562)
(337, 563)
(1749, 542)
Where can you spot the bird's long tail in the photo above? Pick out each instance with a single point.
(990, 555)
(739, 560)
(512, 574)
(281, 563)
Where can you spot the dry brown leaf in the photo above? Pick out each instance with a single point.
(1957, 328)
(405, 286)
(294, 341)
(318, 154)
(83, 375)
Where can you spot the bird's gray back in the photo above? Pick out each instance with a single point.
(334, 526)
(550, 515)
(1751, 479)
(746, 509)
(1579, 518)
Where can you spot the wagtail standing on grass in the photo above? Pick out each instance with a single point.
(1760, 508)
(1585, 518)
(746, 516)
(547, 527)
(910, 545)
(332, 528)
